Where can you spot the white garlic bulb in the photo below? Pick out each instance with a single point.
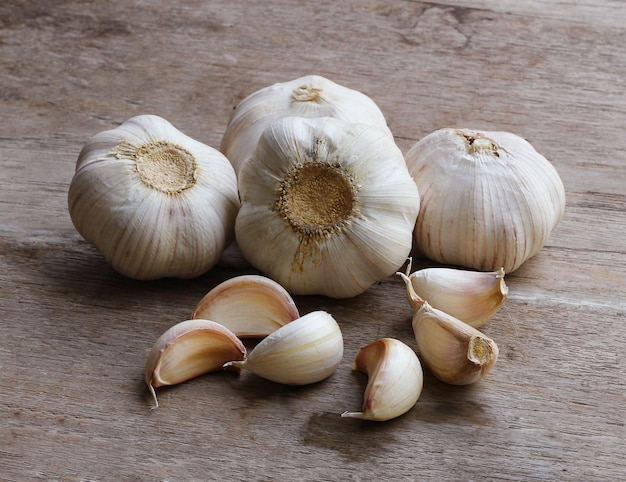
(153, 201)
(327, 207)
(307, 350)
(309, 96)
(488, 199)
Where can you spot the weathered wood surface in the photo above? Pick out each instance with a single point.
(74, 335)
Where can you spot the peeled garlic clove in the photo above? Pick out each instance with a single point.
(470, 296)
(395, 379)
(488, 199)
(328, 207)
(307, 350)
(249, 305)
(453, 351)
(309, 96)
(190, 349)
(153, 201)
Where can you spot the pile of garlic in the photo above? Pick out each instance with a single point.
(320, 200)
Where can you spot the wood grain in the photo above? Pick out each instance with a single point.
(75, 334)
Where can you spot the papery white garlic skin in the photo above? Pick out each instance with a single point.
(395, 379)
(489, 199)
(455, 352)
(307, 350)
(471, 296)
(308, 96)
(327, 207)
(155, 202)
(249, 305)
(189, 349)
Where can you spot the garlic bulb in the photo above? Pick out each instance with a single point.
(489, 200)
(309, 96)
(395, 379)
(470, 296)
(455, 352)
(153, 201)
(307, 350)
(249, 305)
(190, 349)
(327, 207)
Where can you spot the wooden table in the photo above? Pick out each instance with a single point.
(75, 335)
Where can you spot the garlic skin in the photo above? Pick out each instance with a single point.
(153, 201)
(307, 350)
(327, 207)
(471, 296)
(309, 96)
(455, 352)
(488, 199)
(395, 379)
(190, 349)
(248, 305)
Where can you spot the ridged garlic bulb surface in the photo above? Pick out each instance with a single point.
(488, 199)
(327, 208)
(155, 202)
(308, 96)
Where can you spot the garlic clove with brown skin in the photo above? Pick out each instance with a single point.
(249, 305)
(155, 202)
(328, 207)
(309, 96)
(471, 296)
(455, 352)
(488, 199)
(395, 379)
(307, 350)
(190, 349)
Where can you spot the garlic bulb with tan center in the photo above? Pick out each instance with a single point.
(327, 208)
(488, 199)
(308, 96)
(153, 201)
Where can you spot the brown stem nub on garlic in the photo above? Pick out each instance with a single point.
(190, 349)
(395, 379)
(453, 351)
(249, 305)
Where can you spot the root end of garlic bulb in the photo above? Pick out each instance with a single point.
(480, 350)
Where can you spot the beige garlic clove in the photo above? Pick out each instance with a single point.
(488, 199)
(309, 96)
(470, 296)
(155, 202)
(249, 305)
(455, 352)
(307, 350)
(190, 349)
(328, 207)
(395, 379)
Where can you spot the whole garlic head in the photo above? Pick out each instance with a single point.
(327, 208)
(308, 96)
(488, 199)
(153, 201)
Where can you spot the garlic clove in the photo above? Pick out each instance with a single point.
(470, 296)
(395, 379)
(455, 352)
(307, 350)
(328, 207)
(190, 349)
(249, 305)
(309, 96)
(155, 202)
(488, 199)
